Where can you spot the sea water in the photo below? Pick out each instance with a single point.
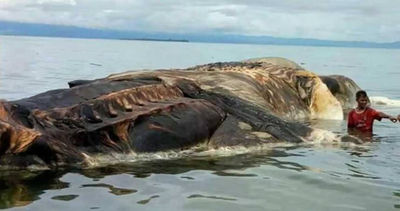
(275, 177)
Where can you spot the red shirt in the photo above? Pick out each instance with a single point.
(363, 121)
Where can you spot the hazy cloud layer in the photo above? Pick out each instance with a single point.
(365, 20)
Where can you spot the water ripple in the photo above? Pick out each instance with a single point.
(65, 197)
(113, 190)
(145, 201)
(210, 197)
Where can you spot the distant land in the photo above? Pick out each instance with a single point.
(150, 39)
(46, 30)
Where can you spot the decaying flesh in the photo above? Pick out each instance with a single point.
(222, 104)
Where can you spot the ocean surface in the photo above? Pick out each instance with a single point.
(274, 177)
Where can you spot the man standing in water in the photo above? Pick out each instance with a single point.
(361, 119)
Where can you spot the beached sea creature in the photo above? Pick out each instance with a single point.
(221, 104)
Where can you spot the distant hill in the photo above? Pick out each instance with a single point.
(29, 29)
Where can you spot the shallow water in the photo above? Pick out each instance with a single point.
(276, 177)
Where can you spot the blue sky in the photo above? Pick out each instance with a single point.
(352, 20)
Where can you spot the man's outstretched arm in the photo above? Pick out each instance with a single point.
(386, 116)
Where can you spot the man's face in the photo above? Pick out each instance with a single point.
(362, 102)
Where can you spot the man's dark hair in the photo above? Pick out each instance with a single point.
(361, 93)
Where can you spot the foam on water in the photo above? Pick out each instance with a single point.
(379, 100)
(325, 137)
(322, 136)
(318, 137)
(199, 151)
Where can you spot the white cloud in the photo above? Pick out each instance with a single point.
(335, 19)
